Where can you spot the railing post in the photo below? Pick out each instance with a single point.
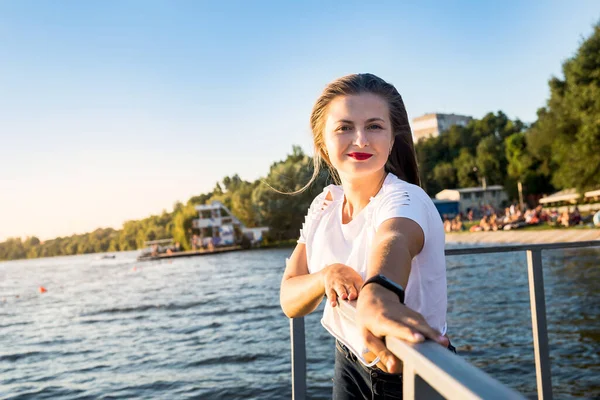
(298, 358)
(408, 381)
(538, 324)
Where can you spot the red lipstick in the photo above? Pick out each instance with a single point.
(360, 156)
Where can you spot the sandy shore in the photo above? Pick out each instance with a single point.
(548, 236)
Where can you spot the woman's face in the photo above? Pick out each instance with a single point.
(358, 134)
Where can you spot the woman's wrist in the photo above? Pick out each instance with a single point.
(378, 293)
(321, 276)
(373, 298)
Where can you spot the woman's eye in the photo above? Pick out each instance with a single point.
(375, 126)
(343, 129)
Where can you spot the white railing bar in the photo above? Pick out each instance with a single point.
(408, 382)
(520, 247)
(298, 359)
(539, 328)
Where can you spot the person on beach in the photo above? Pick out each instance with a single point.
(368, 238)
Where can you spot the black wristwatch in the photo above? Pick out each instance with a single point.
(388, 284)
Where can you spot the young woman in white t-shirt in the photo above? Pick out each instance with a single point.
(377, 226)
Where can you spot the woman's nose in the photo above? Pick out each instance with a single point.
(360, 139)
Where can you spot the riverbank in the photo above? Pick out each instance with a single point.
(525, 236)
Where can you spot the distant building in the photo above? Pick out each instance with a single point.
(432, 125)
(475, 197)
(217, 225)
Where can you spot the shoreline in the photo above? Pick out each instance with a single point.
(524, 237)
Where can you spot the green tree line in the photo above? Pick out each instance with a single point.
(561, 149)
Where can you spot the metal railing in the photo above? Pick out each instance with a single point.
(432, 372)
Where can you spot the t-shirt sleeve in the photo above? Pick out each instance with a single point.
(302, 238)
(315, 208)
(403, 203)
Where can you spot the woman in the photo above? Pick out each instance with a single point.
(377, 225)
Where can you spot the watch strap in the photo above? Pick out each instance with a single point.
(382, 280)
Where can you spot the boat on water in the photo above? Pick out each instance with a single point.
(149, 256)
(216, 230)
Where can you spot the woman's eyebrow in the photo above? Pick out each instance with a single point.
(346, 121)
(375, 119)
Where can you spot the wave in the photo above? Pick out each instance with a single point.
(49, 392)
(16, 324)
(42, 354)
(195, 329)
(19, 356)
(231, 359)
(147, 307)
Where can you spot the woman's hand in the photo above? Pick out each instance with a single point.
(381, 314)
(341, 282)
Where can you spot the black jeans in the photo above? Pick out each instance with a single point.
(353, 380)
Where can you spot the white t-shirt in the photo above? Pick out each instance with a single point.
(328, 241)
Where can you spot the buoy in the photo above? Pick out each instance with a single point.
(42, 289)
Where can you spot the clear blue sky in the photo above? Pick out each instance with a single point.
(114, 110)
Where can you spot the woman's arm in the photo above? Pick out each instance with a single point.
(380, 314)
(396, 242)
(301, 292)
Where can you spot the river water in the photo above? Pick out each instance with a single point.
(211, 327)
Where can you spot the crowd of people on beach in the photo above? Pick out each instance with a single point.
(514, 217)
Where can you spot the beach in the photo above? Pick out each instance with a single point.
(527, 236)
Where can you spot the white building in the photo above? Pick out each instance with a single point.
(432, 125)
(475, 197)
(217, 225)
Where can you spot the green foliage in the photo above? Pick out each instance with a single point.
(466, 165)
(445, 174)
(182, 225)
(464, 155)
(490, 159)
(566, 136)
(284, 213)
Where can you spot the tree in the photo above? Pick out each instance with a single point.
(242, 205)
(182, 225)
(284, 213)
(566, 136)
(490, 160)
(465, 165)
(523, 167)
(445, 175)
